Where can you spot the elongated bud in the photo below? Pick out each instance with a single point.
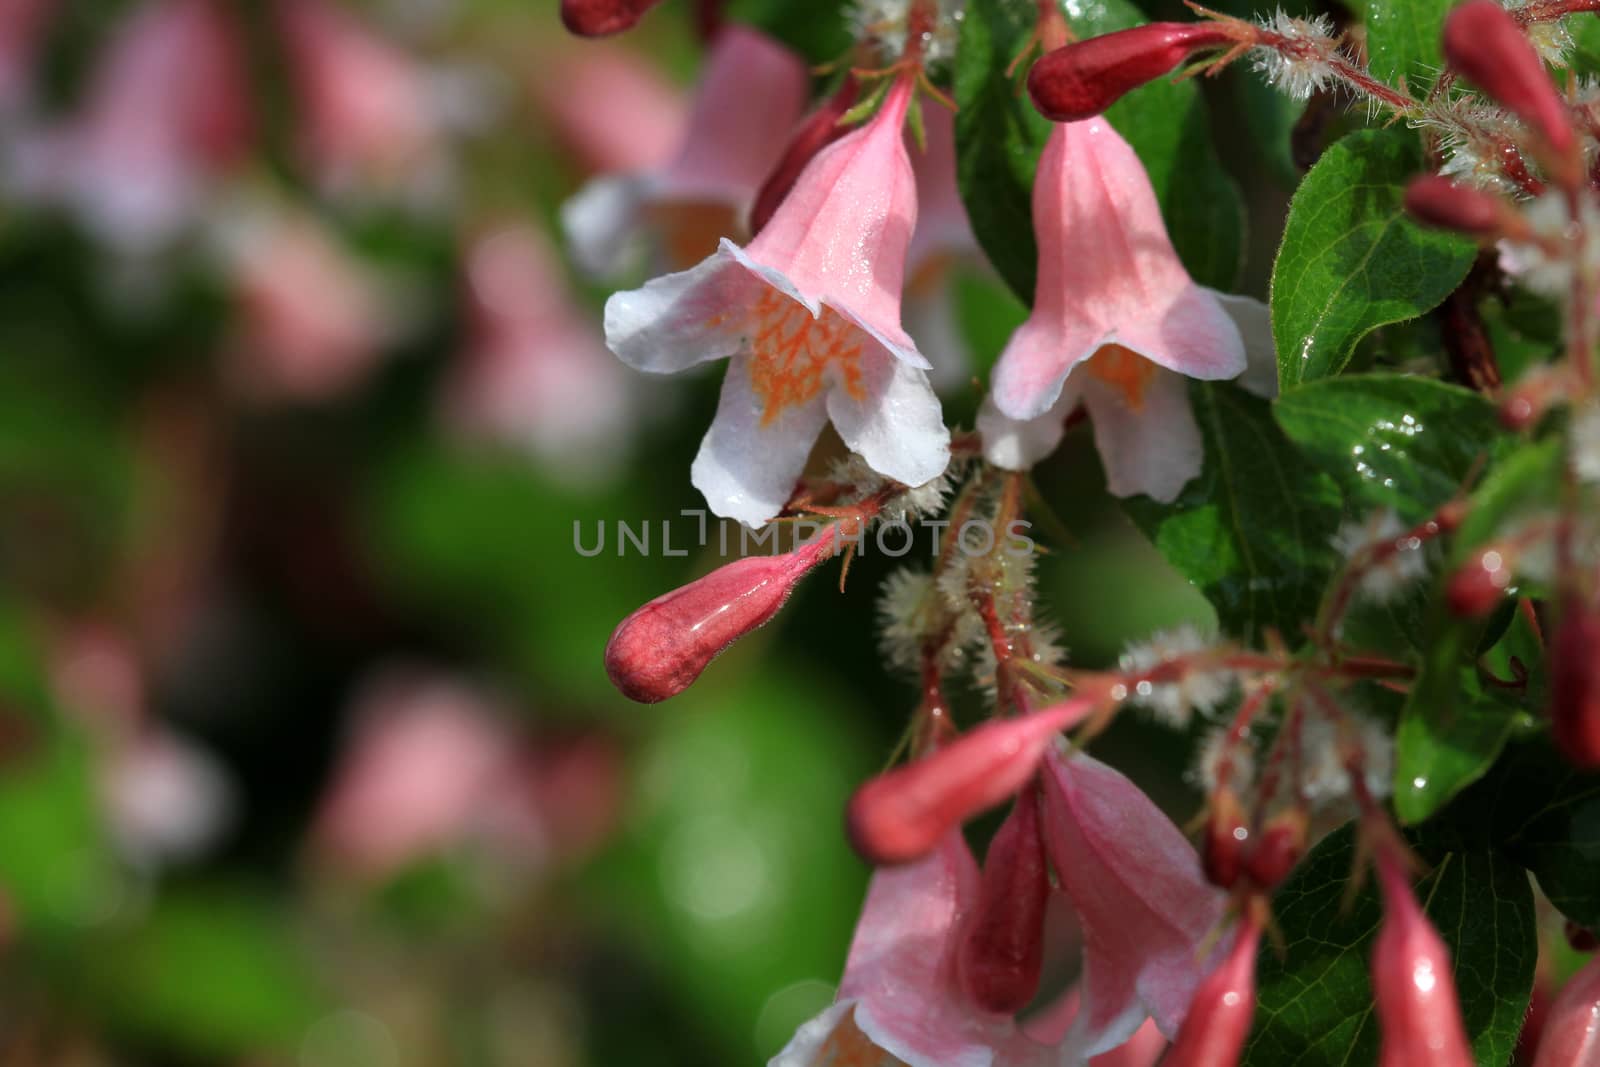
(1483, 42)
(1082, 79)
(1412, 983)
(1227, 832)
(1440, 202)
(656, 652)
(1575, 684)
(1277, 848)
(601, 18)
(1478, 587)
(1218, 1021)
(1002, 950)
(1571, 1035)
(900, 816)
(818, 131)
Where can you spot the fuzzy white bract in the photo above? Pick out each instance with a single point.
(1174, 703)
(1532, 263)
(1209, 757)
(1389, 577)
(911, 611)
(1472, 134)
(883, 23)
(1300, 65)
(1549, 37)
(1327, 749)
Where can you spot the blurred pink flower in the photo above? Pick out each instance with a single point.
(1571, 1032)
(1117, 325)
(1141, 899)
(610, 108)
(809, 316)
(167, 111)
(943, 240)
(751, 96)
(310, 323)
(22, 27)
(367, 117)
(536, 373)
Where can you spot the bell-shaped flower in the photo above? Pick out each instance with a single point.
(1143, 903)
(1117, 325)
(943, 241)
(753, 93)
(809, 316)
(899, 996)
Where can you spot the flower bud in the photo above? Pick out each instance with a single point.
(1002, 949)
(601, 18)
(1575, 684)
(1571, 1033)
(1440, 202)
(1218, 1021)
(1082, 79)
(656, 652)
(1478, 587)
(1484, 42)
(1412, 984)
(1279, 846)
(900, 816)
(818, 131)
(1226, 834)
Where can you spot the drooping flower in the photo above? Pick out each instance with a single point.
(1141, 898)
(899, 996)
(809, 316)
(942, 241)
(1117, 325)
(752, 94)
(1413, 986)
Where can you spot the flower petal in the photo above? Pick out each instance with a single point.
(601, 223)
(1033, 368)
(1193, 335)
(746, 468)
(898, 426)
(1017, 444)
(1253, 319)
(681, 320)
(1155, 450)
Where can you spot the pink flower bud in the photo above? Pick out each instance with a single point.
(1484, 42)
(1003, 948)
(1226, 834)
(1571, 1034)
(1440, 202)
(1277, 849)
(1478, 587)
(1082, 79)
(1575, 684)
(1412, 983)
(1218, 1021)
(656, 652)
(818, 131)
(601, 18)
(902, 815)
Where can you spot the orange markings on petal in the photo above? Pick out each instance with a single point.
(794, 356)
(1127, 370)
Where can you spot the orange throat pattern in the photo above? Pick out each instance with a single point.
(794, 357)
(1128, 371)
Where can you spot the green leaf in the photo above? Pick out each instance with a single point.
(1391, 440)
(1253, 530)
(1351, 261)
(1403, 40)
(999, 137)
(1314, 1005)
(1452, 728)
(817, 29)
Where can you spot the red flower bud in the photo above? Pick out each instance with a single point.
(1226, 834)
(1218, 1020)
(601, 18)
(1082, 79)
(656, 652)
(1440, 202)
(900, 816)
(1575, 684)
(1483, 42)
(818, 131)
(1571, 1032)
(1412, 983)
(1002, 949)
(1278, 847)
(1477, 588)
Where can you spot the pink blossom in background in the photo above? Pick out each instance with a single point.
(22, 28)
(750, 98)
(610, 108)
(536, 373)
(943, 241)
(808, 315)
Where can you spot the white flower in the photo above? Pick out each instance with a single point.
(1386, 578)
(1196, 690)
(1300, 69)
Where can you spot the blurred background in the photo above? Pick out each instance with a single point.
(306, 752)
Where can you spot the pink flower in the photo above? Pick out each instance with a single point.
(809, 316)
(1412, 983)
(536, 374)
(753, 93)
(1144, 905)
(1117, 325)
(22, 28)
(366, 116)
(610, 109)
(167, 111)
(943, 240)
(899, 995)
(1571, 1035)
(1218, 1022)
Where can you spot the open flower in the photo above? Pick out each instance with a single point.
(752, 95)
(809, 316)
(899, 995)
(943, 240)
(1117, 325)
